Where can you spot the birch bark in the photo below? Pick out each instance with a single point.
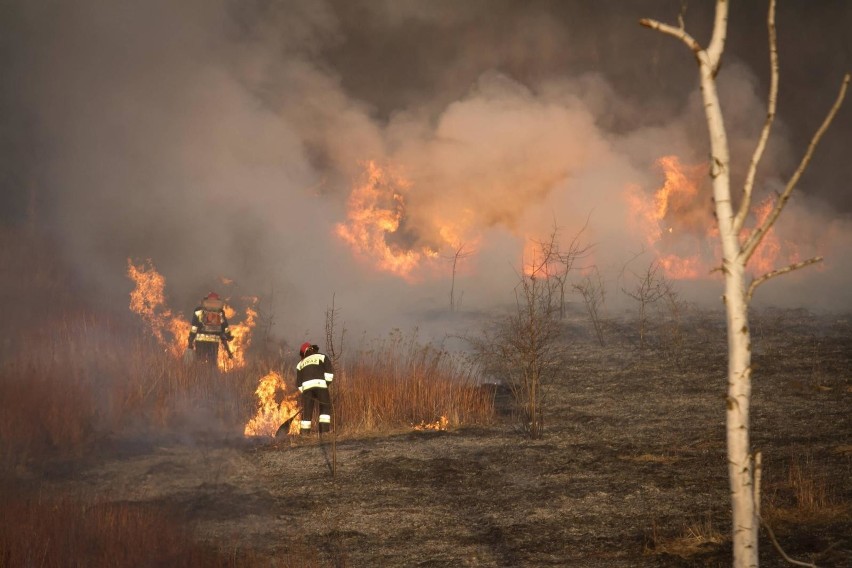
(735, 256)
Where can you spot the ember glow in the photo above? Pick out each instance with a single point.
(148, 301)
(270, 413)
(676, 224)
(536, 261)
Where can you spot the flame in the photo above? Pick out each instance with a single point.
(148, 301)
(441, 424)
(271, 414)
(242, 337)
(379, 226)
(677, 225)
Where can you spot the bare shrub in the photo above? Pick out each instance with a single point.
(556, 262)
(591, 288)
(650, 287)
(673, 315)
(525, 349)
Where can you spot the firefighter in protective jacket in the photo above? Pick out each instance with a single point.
(209, 328)
(314, 374)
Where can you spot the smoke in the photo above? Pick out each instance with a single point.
(223, 139)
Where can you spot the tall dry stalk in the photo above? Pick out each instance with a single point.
(591, 288)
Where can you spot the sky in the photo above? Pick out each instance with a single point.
(227, 141)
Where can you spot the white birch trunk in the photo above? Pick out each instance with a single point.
(745, 523)
(745, 494)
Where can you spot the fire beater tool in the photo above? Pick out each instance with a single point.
(227, 348)
(285, 427)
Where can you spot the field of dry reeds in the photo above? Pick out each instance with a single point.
(114, 453)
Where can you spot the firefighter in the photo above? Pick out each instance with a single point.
(208, 329)
(314, 374)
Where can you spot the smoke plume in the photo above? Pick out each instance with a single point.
(224, 139)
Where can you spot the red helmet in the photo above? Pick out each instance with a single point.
(212, 296)
(304, 348)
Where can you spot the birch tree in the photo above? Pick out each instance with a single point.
(738, 246)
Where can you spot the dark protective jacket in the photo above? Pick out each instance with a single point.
(314, 371)
(209, 323)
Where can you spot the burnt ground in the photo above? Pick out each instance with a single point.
(630, 472)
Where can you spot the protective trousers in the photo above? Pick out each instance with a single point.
(207, 352)
(319, 396)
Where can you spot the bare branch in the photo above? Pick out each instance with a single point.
(748, 187)
(757, 235)
(679, 33)
(795, 266)
(459, 254)
(780, 550)
(334, 347)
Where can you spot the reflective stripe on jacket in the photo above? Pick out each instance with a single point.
(315, 384)
(314, 371)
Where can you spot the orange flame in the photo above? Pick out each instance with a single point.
(271, 414)
(443, 423)
(376, 209)
(148, 301)
(677, 226)
(242, 337)
(379, 228)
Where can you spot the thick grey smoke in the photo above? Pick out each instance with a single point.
(223, 139)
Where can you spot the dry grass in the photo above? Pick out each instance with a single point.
(83, 381)
(400, 383)
(79, 383)
(803, 496)
(88, 384)
(54, 532)
(651, 458)
(698, 537)
(74, 385)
